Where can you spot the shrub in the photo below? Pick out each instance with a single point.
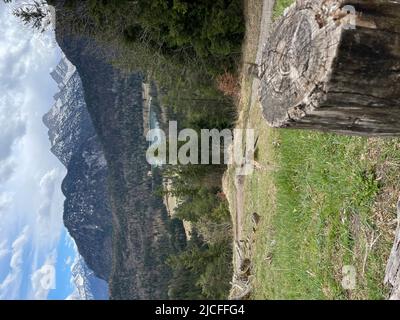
(228, 84)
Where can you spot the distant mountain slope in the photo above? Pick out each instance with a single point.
(143, 233)
(87, 213)
(88, 286)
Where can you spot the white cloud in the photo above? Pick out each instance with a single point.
(10, 286)
(49, 214)
(4, 250)
(18, 248)
(47, 186)
(14, 62)
(46, 183)
(6, 200)
(7, 168)
(23, 54)
(68, 261)
(30, 177)
(12, 123)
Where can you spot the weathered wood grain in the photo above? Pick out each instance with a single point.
(328, 69)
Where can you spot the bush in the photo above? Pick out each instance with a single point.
(208, 27)
(228, 84)
(206, 268)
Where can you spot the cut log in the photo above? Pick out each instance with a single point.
(328, 67)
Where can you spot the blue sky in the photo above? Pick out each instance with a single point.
(33, 240)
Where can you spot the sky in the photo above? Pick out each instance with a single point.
(36, 251)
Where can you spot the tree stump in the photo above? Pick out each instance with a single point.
(328, 67)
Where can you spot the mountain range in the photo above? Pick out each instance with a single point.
(119, 223)
(87, 214)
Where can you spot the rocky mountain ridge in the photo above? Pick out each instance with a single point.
(87, 214)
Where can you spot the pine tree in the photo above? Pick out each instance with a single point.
(35, 14)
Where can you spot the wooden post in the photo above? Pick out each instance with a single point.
(334, 66)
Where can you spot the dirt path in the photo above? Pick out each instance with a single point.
(266, 21)
(241, 282)
(239, 186)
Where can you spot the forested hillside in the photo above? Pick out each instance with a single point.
(191, 51)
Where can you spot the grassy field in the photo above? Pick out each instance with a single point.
(324, 215)
(326, 201)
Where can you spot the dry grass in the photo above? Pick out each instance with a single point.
(228, 84)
